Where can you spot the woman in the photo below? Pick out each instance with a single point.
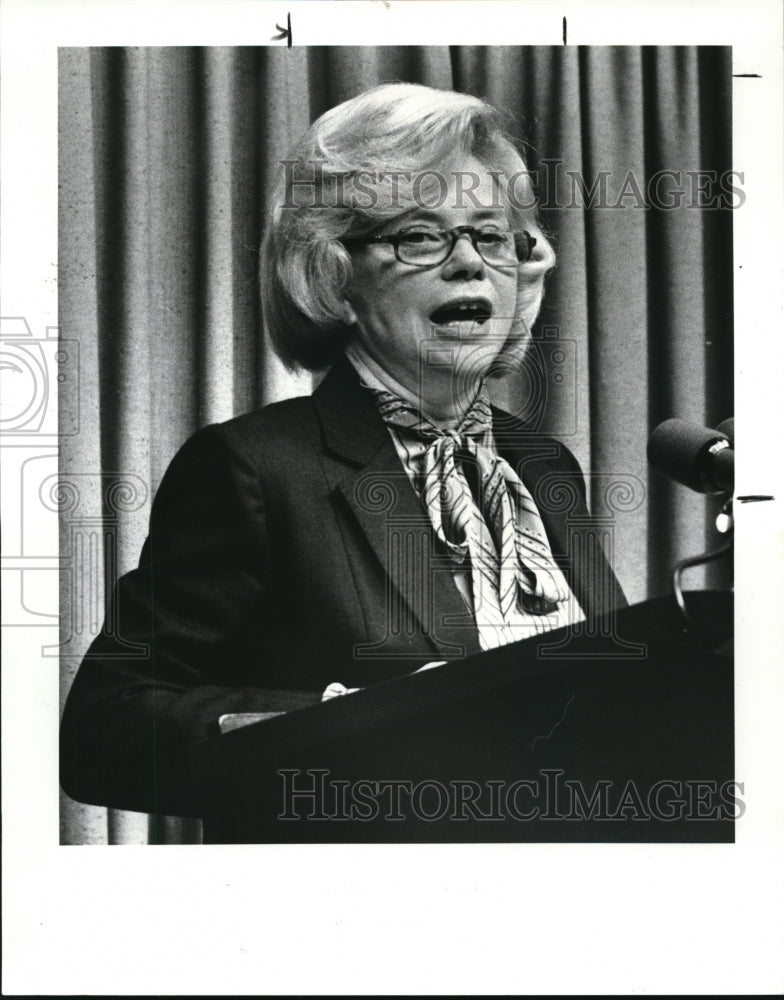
(388, 522)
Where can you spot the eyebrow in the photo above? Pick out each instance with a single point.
(483, 215)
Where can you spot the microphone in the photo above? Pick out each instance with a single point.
(727, 427)
(697, 457)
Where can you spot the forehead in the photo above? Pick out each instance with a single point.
(465, 188)
(466, 182)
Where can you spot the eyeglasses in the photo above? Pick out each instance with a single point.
(428, 247)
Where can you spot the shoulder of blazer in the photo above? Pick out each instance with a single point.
(339, 414)
(236, 455)
(290, 422)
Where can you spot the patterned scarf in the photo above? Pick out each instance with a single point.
(507, 543)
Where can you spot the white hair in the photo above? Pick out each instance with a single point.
(359, 166)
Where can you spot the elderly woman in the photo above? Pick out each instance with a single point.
(390, 520)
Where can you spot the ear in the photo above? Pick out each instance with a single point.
(349, 316)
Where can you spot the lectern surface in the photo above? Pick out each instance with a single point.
(625, 735)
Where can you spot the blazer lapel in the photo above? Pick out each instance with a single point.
(575, 539)
(372, 481)
(536, 460)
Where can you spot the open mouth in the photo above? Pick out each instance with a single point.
(462, 314)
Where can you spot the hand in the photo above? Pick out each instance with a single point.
(336, 690)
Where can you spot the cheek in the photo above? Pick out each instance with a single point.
(508, 299)
(376, 316)
(364, 300)
(370, 292)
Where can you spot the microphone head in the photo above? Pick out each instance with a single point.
(686, 453)
(727, 427)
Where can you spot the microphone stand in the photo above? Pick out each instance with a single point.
(724, 524)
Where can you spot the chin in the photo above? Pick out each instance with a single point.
(466, 359)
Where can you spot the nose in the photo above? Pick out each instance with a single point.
(464, 261)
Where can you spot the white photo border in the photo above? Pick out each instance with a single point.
(388, 919)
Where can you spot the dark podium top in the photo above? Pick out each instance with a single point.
(619, 732)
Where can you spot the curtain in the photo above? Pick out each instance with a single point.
(165, 158)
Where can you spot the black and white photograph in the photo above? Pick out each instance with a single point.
(454, 227)
(379, 426)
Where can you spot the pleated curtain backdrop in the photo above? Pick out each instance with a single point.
(165, 157)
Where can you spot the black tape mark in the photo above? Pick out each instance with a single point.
(754, 498)
(284, 32)
(564, 31)
(751, 76)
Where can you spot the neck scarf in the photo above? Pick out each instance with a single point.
(509, 546)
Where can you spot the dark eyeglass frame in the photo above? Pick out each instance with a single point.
(524, 243)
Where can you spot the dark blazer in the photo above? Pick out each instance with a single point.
(287, 549)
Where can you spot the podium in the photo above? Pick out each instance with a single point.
(617, 731)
